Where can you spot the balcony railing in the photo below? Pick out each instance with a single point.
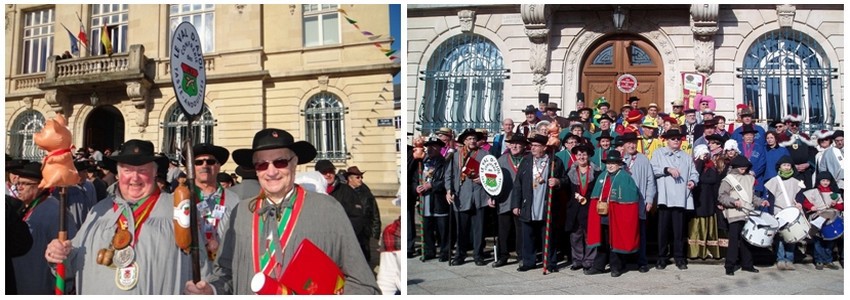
(85, 72)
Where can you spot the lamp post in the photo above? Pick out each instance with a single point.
(619, 18)
(93, 98)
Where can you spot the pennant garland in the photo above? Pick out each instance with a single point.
(371, 36)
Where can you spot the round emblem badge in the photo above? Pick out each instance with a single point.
(127, 278)
(124, 257)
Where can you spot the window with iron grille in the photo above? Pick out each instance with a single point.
(175, 128)
(202, 16)
(320, 24)
(38, 40)
(787, 72)
(21, 143)
(464, 82)
(114, 16)
(325, 126)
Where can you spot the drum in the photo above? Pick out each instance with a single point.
(760, 229)
(833, 229)
(793, 225)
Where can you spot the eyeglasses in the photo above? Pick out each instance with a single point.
(278, 164)
(20, 184)
(210, 162)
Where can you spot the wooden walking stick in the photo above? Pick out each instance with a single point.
(421, 231)
(548, 216)
(63, 236)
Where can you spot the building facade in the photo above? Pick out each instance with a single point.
(470, 66)
(303, 68)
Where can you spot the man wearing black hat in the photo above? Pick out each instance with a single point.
(506, 219)
(136, 224)
(755, 152)
(535, 179)
(552, 115)
(747, 119)
(41, 212)
(605, 125)
(640, 169)
(832, 159)
(249, 187)
(612, 221)
(709, 127)
(633, 102)
(675, 176)
(527, 127)
(430, 188)
(603, 145)
(350, 200)
(369, 208)
(690, 128)
(465, 192)
(290, 214)
(217, 202)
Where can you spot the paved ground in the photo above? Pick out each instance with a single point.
(701, 278)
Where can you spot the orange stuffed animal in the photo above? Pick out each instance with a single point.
(58, 168)
(419, 148)
(553, 130)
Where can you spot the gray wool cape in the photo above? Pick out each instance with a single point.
(674, 192)
(32, 270)
(163, 268)
(322, 220)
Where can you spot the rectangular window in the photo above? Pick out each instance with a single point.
(200, 15)
(38, 40)
(320, 24)
(397, 122)
(114, 16)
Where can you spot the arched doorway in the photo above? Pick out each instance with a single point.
(104, 128)
(618, 55)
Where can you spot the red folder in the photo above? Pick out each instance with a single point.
(312, 272)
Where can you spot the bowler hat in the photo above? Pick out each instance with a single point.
(470, 131)
(614, 157)
(246, 173)
(353, 170)
(517, 139)
(672, 133)
(220, 153)
(137, 153)
(434, 141)
(324, 166)
(30, 170)
(273, 138)
(538, 138)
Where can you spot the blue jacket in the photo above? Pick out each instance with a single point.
(770, 167)
(759, 160)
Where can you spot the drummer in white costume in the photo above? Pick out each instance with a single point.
(782, 191)
(736, 195)
(828, 204)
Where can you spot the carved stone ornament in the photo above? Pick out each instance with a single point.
(536, 19)
(704, 26)
(28, 102)
(138, 93)
(323, 83)
(785, 14)
(467, 20)
(56, 99)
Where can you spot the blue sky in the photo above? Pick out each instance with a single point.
(395, 32)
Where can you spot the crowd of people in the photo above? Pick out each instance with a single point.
(127, 221)
(583, 189)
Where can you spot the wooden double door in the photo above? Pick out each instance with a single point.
(616, 56)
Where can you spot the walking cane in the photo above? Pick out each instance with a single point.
(548, 216)
(421, 230)
(63, 235)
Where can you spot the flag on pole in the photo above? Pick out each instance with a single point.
(82, 35)
(105, 40)
(75, 49)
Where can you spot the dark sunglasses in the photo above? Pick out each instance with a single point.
(278, 163)
(210, 162)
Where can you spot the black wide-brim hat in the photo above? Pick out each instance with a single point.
(434, 141)
(672, 133)
(748, 129)
(30, 170)
(614, 157)
(517, 139)
(740, 162)
(604, 135)
(716, 137)
(220, 153)
(273, 138)
(246, 173)
(137, 153)
(628, 137)
(467, 132)
(538, 138)
(583, 148)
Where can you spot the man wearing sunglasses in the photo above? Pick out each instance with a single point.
(216, 202)
(287, 213)
(350, 200)
(369, 208)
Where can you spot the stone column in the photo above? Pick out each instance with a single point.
(704, 26)
(139, 94)
(536, 18)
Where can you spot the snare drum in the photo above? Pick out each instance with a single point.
(760, 230)
(793, 225)
(833, 229)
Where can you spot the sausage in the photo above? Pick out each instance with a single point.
(182, 234)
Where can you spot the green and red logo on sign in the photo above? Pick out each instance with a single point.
(188, 74)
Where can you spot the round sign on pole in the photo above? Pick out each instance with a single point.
(187, 69)
(627, 83)
(492, 175)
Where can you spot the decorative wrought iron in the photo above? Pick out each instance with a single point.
(325, 118)
(21, 143)
(787, 72)
(175, 129)
(464, 83)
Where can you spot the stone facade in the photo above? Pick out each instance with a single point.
(544, 47)
(258, 76)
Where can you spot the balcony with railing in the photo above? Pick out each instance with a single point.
(101, 72)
